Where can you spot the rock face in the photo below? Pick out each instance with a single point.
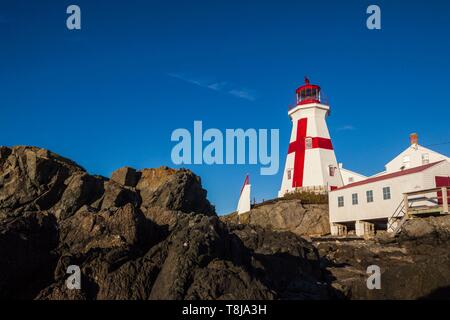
(149, 234)
(32, 179)
(152, 234)
(287, 215)
(27, 260)
(415, 265)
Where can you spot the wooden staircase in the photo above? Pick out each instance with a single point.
(398, 218)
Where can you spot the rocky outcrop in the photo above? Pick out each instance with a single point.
(152, 234)
(149, 234)
(416, 265)
(32, 179)
(197, 258)
(287, 215)
(174, 190)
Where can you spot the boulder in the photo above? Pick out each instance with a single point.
(88, 229)
(432, 227)
(32, 178)
(117, 195)
(81, 189)
(179, 190)
(126, 176)
(287, 215)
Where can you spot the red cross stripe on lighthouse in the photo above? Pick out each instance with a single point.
(299, 147)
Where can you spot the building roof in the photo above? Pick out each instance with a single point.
(416, 148)
(391, 175)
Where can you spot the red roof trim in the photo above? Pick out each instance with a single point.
(390, 175)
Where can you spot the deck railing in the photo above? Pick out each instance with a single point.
(422, 202)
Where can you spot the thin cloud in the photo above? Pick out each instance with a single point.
(346, 128)
(216, 86)
(243, 94)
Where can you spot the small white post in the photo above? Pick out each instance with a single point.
(406, 203)
(445, 199)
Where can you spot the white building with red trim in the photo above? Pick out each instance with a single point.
(369, 204)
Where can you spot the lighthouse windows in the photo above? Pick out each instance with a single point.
(308, 143)
(332, 170)
(289, 174)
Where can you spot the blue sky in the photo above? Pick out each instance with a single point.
(111, 94)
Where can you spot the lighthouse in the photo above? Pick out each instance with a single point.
(310, 163)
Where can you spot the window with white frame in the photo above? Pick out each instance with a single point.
(406, 162)
(369, 195)
(289, 174)
(386, 193)
(425, 158)
(354, 198)
(340, 201)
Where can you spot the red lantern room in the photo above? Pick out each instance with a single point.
(308, 93)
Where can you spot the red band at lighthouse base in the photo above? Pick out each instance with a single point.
(299, 147)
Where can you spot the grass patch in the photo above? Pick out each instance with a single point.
(307, 197)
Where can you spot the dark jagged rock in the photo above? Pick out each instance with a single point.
(81, 189)
(286, 263)
(32, 179)
(87, 229)
(198, 259)
(171, 189)
(117, 195)
(152, 234)
(126, 176)
(26, 257)
(416, 265)
(149, 234)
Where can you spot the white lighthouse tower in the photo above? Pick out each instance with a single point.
(311, 163)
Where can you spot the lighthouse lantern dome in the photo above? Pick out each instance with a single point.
(308, 93)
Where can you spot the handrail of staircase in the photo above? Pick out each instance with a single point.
(395, 214)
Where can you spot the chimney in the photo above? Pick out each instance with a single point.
(414, 139)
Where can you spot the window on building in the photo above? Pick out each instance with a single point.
(340, 201)
(289, 174)
(332, 170)
(425, 158)
(355, 199)
(406, 162)
(308, 143)
(351, 180)
(386, 193)
(369, 195)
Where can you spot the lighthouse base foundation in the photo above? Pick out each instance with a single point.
(310, 189)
